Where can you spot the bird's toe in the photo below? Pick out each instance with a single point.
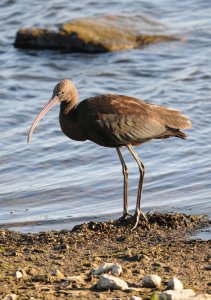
(128, 219)
(136, 218)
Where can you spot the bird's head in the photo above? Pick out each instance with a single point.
(64, 91)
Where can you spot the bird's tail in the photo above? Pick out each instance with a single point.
(172, 118)
(177, 133)
(174, 121)
(170, 132)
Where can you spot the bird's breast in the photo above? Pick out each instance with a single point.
(71, 127)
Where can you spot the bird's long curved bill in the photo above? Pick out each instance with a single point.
(45, 109)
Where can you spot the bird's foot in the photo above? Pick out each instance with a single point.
(136, 218)
(129, 219)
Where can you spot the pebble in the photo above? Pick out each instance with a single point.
(185, 294)
(115, 269)
(76, 279)
(10, 297)
(143, 258)
(151, 281)
(127, 272)
(32, 272)
(135, 298)
(202, 297)
(61, 247)
(18, 274)
(58, 274)
(23, 272)
(109, 282)
(97, 258)
(41, 278)
(139, 271)
(12, 253)
(175, 284)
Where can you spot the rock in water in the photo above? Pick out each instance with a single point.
(92, 35)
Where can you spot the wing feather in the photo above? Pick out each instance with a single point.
(115, 120)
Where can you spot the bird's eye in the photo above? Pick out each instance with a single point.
(60, 93)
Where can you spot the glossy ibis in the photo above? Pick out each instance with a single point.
(114, 121)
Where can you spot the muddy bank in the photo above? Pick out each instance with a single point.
(92, 35)
(57, 264)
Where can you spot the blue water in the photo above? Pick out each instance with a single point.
(55, 183)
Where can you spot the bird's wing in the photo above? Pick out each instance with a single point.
(119, 120)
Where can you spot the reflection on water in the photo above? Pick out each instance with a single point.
(57, 182)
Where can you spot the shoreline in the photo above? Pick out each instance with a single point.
(162, 246)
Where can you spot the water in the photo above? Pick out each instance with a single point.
(55, 183)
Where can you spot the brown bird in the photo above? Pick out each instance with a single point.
(114, 121)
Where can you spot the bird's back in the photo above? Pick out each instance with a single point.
(116, 120)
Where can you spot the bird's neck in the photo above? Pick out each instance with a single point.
(70, 122)
(72, 99)
(67, 107)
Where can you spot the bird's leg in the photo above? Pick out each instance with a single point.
(125, 190)
(138, 211)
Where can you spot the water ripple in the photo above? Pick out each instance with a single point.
(55, 182)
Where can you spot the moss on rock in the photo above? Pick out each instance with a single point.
(93, 35)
